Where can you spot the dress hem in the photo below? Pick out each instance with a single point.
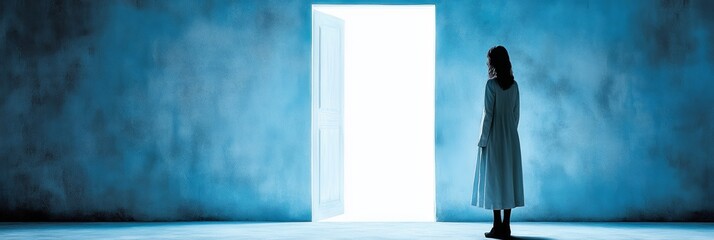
(501, 208)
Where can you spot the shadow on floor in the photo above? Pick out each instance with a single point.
(528, 238)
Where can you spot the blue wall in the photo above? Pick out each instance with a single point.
(617, 113)
(155, 110)
(187, 110)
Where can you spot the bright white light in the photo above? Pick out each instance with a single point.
(388, 112)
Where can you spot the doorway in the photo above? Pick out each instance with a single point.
(387, 136)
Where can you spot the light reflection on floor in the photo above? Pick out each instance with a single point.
(347, 230)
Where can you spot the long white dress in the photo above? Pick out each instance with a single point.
(498, 183)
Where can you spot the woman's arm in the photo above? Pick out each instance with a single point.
(517, 108)
(487, 119)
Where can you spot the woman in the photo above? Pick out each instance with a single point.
(498, 184)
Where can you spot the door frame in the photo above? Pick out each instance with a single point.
(316, 214)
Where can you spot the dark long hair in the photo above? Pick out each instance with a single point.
(499, 66)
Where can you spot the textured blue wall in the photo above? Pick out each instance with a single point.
(154, 110)
(617, 113)
(185, 110)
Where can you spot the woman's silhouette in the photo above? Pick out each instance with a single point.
(498, 184)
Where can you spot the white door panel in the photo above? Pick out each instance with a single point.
(327, 114)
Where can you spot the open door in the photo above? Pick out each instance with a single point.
(327, 104)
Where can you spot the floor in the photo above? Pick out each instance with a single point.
(350, 230)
